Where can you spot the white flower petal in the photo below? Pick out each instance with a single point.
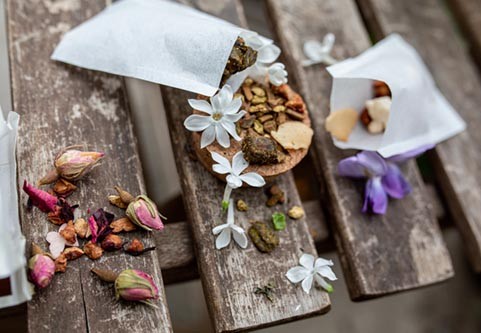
(307, 283)
(268, 53)
(239, 236)
(313, 50)
(252, 39)
(232, 107)
(233, 181)
(323, 262)
(63, 226)
(52, 236)
(208, 136)
(326, 272)
(253, 179)
(220, 159)
(307, 261)
(219, 228)
(57, 247)
(223, 239)
(220, 169)
(221, 136)
(197, 123)
(297, 274)
(328, 43)
(225, 96)
(239, 163)
(233, 118)
(230, 128)
(200, 105)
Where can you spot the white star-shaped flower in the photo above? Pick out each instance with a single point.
(235, 178)
(310, 271)
(57, 243)
(318, 52)
(229, 230)
(277, 74)
(222, 114)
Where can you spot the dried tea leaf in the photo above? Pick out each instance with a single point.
(279, 221)
(341, 123)
(241, 57)
(293, 135)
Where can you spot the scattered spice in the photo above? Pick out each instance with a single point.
(61, 264)
(122, 224)
(279, 221)
(276, 196)
(266, 290)
(72, 253)
(93, 251)
(136, 248)
(63, 188)
(69, 233)
(263, 237)
(82, 228)
(296, 213)
(112, 243)
(242, 206)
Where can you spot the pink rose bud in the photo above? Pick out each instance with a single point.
(143, 212)
(73, 164)
(41, 270)
(135, 285)
(41, 199)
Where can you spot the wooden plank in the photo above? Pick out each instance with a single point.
(230, 276)
(380, 254)
(59, 106)
(428, 27)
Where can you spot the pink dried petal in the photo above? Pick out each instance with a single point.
(41, 199)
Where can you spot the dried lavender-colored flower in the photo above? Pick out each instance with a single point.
(135, 285)
(143, 212)
(41, 199)
(41, 270)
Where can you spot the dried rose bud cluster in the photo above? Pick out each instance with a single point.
(99, 232)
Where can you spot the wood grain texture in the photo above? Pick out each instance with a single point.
(60, 105)
(380, 254)
(428, 27)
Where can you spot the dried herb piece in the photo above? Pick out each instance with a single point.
(241, 57)
(39, 198)
(136, 248)
(62, 212)
(242, 206)
(82, 228)
(266, 290)
(276, 196)
(72, 253)
(279, 221)
(61, 264)
(263, 237)
(296, 213)
(122, 224)
(116, 201)
(112, 243)
(93, 251)
(261, 150)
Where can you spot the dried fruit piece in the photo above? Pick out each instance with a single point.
(68, 233)
(61, 264)
(293, 135)
(93, 251)
(72, 253)
(279, 108)
(82, 228)
(258, 100)
(122, 224)
(116, 201)
(63, 187)
(112, 243)
(242, 206)
(381, 89)
(296, 213)
(340, 123)
(261, 150)
(263, 237)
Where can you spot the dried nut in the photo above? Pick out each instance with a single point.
(281, 118)
(379, 108)
(69, 233)
(72, 253)
(270, 126)
(242, 206)
(295, 115)
(63, 187)
(258, 91)
(381, 89)
(279, 108)
(122, 224)
(116, 201)
(93, 251)
(293, 135)
(364, 117)
(375, 127)
(265, 118)
(258, 108)
(296, 212)
(247, 92)
(258, 127)
(261, 150)
(61, 264)
(263, 237)
(111, 243)
(82, 228)
(258, 100)
(340, 123)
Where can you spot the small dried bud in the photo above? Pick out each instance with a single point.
(105, 275)
(41, 270)
(49, 178)
(136, 248)
(135, 285)
(73, 164)
(38, 198)
(111, 243)
(143, 212)
(296, 212)
(116, 201)
(242, 206)
(64, 188)
(61, 264)
(72, 253)
(122, 224)
(82, 228)
(125, 196)
(93, 251)
(69, 233)
(276, 196)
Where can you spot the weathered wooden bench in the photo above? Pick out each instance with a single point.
(402, 250)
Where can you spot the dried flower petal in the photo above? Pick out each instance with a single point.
(61, 264)
(135, 285)
(93, 251)
(72, 253)
(82, 228)
(41, 199)
(112, 243)
(69, 233)
(122, 224)
(143, 212)
(99, 224)
(73, 164)
(63, 187)
(62, 212)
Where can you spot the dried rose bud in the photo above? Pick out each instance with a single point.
(143, 212)
(117, 201)
(41, 270)
(122, 224)
(61, 264)
(99, 224)
(82, 228)
(68, 233)
(72, 253)
(136, 248)
(124, 196)
(73, 164)
(41, 199)
(111, 243)
(93, 251)
(64, 188)
(135, 285)
(62, 212)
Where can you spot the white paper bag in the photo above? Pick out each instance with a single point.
(12, 242)
(419, 112)
(153, 40)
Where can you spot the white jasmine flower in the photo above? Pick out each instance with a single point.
(223, 112)
(57, 243)
(318, 52)
(310, 270)
(235, 178)
(277, 74)
(228, 230)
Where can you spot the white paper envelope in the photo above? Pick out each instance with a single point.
(153, 40)
(419, 112)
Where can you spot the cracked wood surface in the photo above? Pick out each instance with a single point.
(380, 254)
(229, 276)
(430, 29)
(61, 105)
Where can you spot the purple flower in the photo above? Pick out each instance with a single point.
(384, 178)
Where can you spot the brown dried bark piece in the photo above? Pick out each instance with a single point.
(241, 57)
(122, 224)
(69, 233)
(72, 253)
(295, 115)
(93, 251)
(265, 118)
